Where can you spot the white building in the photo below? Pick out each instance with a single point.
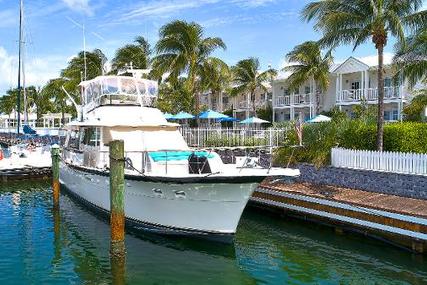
(49, 120)
(351, 83)
(241, 105)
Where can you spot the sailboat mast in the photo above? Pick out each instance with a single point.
(23, 55)
(18, 100)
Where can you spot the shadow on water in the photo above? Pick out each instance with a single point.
(306, 253)
(41, 246)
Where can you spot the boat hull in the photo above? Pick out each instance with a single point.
(200, 209)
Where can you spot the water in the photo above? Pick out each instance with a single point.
(38, 246)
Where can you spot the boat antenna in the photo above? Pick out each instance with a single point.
(82, 26)
(18, 100)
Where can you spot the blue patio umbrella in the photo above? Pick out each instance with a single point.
(182, 116)
(167, 116)
(254, 120)
(229, 119)
(209, 114)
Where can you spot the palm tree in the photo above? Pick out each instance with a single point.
(138, 54)
(414, 111)
(181, 51)
(53, 91)
(8, 103)
(40, 100)
(411, 59)
(74, 72)
(173, 97)
(309, 64)
(357, 21)
(247, 78)
(215, 76)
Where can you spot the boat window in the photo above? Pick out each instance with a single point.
(89, 94)
(129, 86)
(96, 90)
(141, 87)
(152, 89)
(74, 139)
(91, 136)
(110, 86)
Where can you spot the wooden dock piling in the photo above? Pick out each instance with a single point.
(117, 188)
(55, 175)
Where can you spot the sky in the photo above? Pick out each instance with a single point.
(266, 29)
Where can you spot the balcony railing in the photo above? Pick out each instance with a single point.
(249, 105)
(368, 94)
(295, 99)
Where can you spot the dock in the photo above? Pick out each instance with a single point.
(25, 173)
(398, 220)
(26, 165)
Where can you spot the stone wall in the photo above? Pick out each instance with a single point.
(405, 185)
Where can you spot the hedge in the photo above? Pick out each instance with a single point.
(318, 139)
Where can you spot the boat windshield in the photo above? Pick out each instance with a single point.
(113, 90)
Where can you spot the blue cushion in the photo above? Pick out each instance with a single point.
(177, 155)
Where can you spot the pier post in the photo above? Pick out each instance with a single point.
(117, 188)
(54, 151)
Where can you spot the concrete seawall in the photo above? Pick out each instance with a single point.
(404, 185)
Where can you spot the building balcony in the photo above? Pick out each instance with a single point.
(303, 100)
(243, 105)
(369, 95)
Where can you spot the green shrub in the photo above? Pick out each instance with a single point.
(406, 137)
(319, 139)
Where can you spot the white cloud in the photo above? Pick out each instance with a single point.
(80, 6)
(164, 7)
(37, 70)
(253, 3)
(250, 19)
(372, 60)
(171, 8)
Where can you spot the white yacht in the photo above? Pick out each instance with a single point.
(170, 188)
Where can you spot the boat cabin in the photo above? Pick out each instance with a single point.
(117, 90)
(119, 108)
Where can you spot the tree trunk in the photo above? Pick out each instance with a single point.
(317, 96)
(253, 102)
(62, 115)
(380, 122)
(197, 108)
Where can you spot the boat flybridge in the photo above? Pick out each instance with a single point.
(170, 188)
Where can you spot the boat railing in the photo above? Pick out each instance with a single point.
(138, 162)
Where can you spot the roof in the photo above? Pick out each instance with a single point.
(350, 65)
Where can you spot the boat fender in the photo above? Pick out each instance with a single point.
(1, 154)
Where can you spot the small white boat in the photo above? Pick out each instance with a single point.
(25, 156)
(170, 188)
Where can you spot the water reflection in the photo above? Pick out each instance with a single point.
(150, 258)
(39, 245)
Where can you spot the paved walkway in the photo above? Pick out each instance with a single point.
(396, 204)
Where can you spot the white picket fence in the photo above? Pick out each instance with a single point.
(230, 137)
(394, 162)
